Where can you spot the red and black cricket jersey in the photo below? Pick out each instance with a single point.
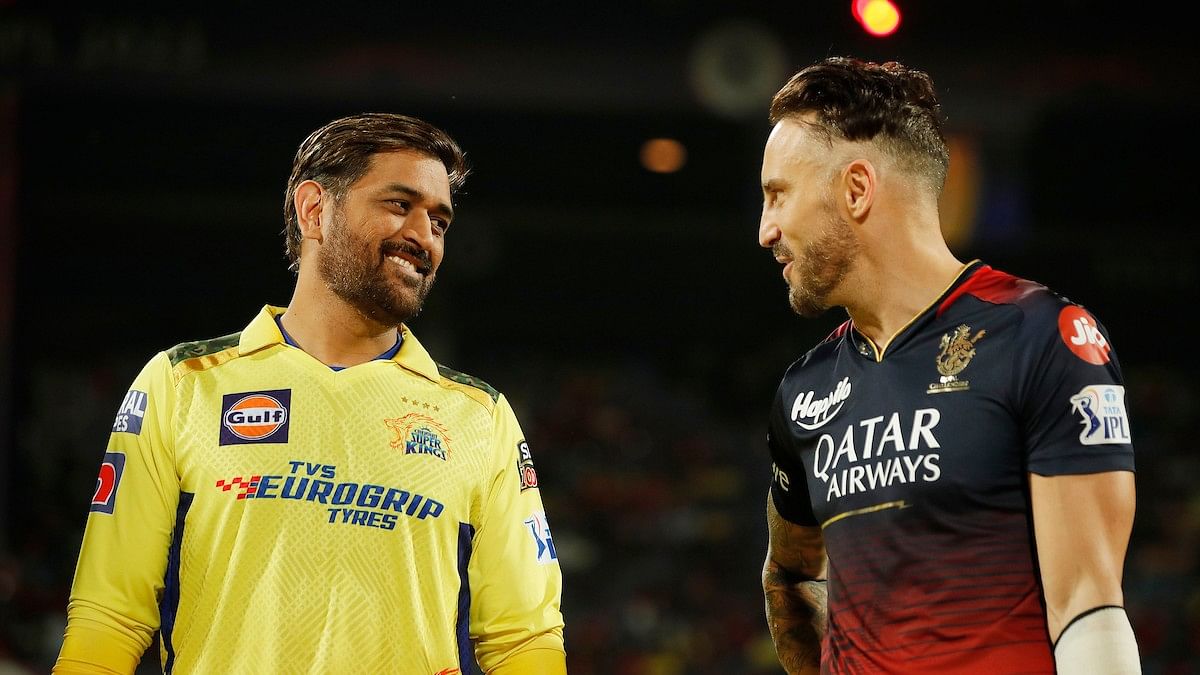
(914, 461)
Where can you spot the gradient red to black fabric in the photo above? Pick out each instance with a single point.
(935, 602)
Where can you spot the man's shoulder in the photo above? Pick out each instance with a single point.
(1037, 306)
(994, 287)
(1043, 317)
(469, 384)
(1041, 307)
(824, 352)
(826, 349)
(204, 353)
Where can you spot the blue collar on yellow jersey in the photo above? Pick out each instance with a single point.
(386, 356)
(263, 332)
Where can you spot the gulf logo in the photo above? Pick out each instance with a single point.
(256, 417)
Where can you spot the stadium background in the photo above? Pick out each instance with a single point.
(629, 314)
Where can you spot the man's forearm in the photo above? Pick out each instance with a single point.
(797, 614)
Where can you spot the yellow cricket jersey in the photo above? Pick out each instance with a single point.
(272, 515)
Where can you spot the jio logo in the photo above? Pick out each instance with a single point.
(1081, 334)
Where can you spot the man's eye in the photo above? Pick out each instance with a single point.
(400, 203)
(440, 225)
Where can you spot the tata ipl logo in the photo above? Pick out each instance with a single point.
(539, 529)
(1104, 418)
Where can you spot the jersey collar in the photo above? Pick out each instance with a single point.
(866, 347)
(264, 332)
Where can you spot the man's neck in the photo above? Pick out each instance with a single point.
(892, 287)
(331, 330)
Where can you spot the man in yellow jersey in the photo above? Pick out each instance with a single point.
(315, 493)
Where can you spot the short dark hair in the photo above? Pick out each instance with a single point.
(889, 104)
(339, 153)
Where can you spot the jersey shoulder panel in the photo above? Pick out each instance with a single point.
(825, 349)
(470, 385)
(1040, 311)
(1040, 308)
(995, 287)
(838, 332)
(203, 354)
(1038, 305)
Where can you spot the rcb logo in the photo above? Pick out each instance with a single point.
(958, 348)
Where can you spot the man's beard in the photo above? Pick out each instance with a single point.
(357, 271)
(823, 265)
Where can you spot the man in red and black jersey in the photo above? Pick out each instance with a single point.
(953, 475)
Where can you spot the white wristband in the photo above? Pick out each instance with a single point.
(1098, 642)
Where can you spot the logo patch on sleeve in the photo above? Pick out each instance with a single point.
(105, 498)
(539, 527)
(525, 468)
(1102, 407)
(256, 417)
(132, 412)
(1080, 333)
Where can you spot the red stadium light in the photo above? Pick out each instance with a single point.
(880, 18)
(856, 7)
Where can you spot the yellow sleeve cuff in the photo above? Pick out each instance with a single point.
(92, 650)
(533, 662)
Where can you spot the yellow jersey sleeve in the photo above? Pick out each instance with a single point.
(515, 579)
(540, 661)
(113, 610)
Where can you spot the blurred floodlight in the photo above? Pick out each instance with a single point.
(856, 8)
(878, 17)
(663, 155)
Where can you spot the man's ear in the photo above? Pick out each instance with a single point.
(856, 188)
(309, 202)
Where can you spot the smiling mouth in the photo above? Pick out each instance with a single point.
(404, 263)
(409, 262)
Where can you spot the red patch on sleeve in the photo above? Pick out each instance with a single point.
(104, 499)
(1081, 334)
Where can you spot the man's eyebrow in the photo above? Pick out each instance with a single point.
(774, 185)
(441, 208)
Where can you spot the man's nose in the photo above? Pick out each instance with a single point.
(768, 231)
(418, 228)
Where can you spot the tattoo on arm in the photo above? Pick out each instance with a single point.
(796, 615)
(796, 599)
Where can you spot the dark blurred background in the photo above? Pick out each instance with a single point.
(613, 289)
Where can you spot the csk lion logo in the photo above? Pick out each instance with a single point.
(420, 435)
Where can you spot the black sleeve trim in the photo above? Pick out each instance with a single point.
(1072, 622)
(791, 512)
